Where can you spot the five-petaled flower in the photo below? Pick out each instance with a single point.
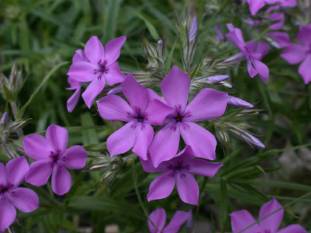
(53, 158)
(11, 195)
(256, 5)
(270, 218)
(97, 65)
(157, 221)
(301, 53)
(208, 104)
(179, 171)
(142, 110)
(252, 51)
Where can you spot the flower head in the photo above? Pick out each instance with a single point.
(157, 220)
(208, 104)
(53, 158)
(256, 5)
(252, 51)
(11, 195)
(270, 218)
(141, 110)
(301, 53)
(96, 65)
(179, 172)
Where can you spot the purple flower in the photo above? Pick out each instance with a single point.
(238, 102)
(270, 218)
(281, 39)
(301, 53)
(179, 171)
(256, 5)
(252, 51)
(140, 112)
(206, 105)
(193, 29)
(157, 220)
(97, 65)
(53, 158)
(11, 195)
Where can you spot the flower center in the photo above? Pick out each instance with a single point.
(4, 188)
(102, 68)
(178, 166)
(55, 156)
(139, 116)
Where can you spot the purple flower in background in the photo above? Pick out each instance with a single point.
(301, 53)
(256, 5)
(193, 29)
(252, 51)
(206, 105)
(270, 218)
(11, 195)
(97, 65)
(140, 112)
(157, 221)
(281, 39)
(53, 158)
(179, 172)
(238, 102)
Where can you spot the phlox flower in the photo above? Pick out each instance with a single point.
(300, 52)
(252, 51)
(256, 5)
(141, 110)
(157, 221)
(270, 218)
(53, 158)
(208, 104)
(12, 196)
(179, 172)
(97, 65)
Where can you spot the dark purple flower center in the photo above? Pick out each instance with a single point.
(309, 51)
(265, 231)
(55, 156)
(179, 115)
(102, 68)
(178, 166)
(139, 116)
(5, 188)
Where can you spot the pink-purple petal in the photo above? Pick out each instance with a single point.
(113, 49)
(207, 104)
(156, 220)
(144, 136)
(203, 167)
(16, 170)
(304, 69)
(243, 221)
(92, 91)
(7, 214)
(165, 144)
(75, 157)
(187, 188)
(161, 187)
(157, 111)
(39, 172)
(58, 137)
(294, 228)
(271, 215)
(179, 219)
(73, 100)
(24, 199)
(114, 75)
(202, 142)
(37, 147)
(175, 87)
(122, 140)
(294, 54)
(61, 180)
(304, 35)
(94, 50)
(255, 6)
(3, 175)
(114, 108)
(82, 71)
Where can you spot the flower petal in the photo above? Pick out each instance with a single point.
(304, 69)
(271, 215)
(157, 112)
(58, 137)
(294, 228)
(73, 100)
(3, 175)
(114, 75)
(165, 144)
(203, 167)
(82, 71)
(187, 188)
(39, 172)
(113, 49)
(304, 34)
(257, 67)
(238, 102)
(161, 187)
(136, 95)
(122, 140)
(294, 54)
(156, 220)
(114, 108)
(24, 199)
(235, 36)
(7, 214)
(257, 49)
(255, 6)
(144, 136)
(207, 104)
(243, 221)
(61, 180)
(179, 218)
(75, 157)
(92, 91)
(94, 50)
(78, 56)
(175, 88)
(201, 141)
(16, 170)
(37, 147)
(280, 38)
